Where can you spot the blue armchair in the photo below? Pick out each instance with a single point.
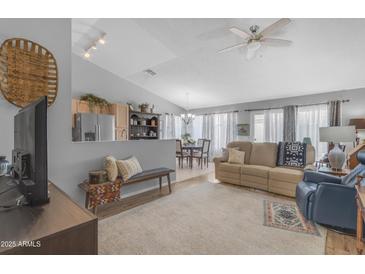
(328, 199)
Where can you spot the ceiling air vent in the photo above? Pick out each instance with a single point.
(150, 72)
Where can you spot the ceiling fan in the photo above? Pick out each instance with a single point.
(254, 39)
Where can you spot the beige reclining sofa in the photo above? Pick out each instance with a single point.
(260, 170)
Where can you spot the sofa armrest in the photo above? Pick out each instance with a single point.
(335, 205)
(317, 177)
(218, 160)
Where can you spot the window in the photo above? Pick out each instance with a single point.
(309, 120)
(268, 125)
(170, 127)
(197, 127)
(220, 128)
(259, 127)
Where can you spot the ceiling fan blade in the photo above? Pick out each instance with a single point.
(274, 27)
(232, 47)
(276, 42)
(241, 33)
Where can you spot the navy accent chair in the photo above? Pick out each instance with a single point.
(328, 199)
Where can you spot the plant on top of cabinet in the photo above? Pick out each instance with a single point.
(94, 101)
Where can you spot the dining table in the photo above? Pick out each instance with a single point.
(191, 148)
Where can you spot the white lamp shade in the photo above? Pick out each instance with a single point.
(337, 134)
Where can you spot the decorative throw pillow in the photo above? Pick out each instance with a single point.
(128, 167)
(225, 153)
(236, 156)
(292, 154)
(111, 168)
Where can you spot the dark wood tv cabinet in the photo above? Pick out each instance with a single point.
(59, 227)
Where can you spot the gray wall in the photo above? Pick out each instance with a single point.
(355, 108)
(90, 78)
(68, 163)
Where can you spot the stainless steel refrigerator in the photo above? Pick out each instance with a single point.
(94, 127)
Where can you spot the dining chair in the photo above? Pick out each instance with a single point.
(203, 154)
(180, 153)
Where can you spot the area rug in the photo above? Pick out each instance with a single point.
(204, 219)
(287, 216)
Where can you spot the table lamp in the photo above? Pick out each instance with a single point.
(336, 135)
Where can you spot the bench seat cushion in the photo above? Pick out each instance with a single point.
(151, 173)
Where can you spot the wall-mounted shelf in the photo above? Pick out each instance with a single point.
(144, 125)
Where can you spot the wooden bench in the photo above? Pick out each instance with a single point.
(151, 174)
(110, 191)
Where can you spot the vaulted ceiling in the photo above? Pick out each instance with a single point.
(326, 55)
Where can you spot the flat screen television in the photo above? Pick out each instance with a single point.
(30, 152)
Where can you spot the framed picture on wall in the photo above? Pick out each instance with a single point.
(243, 129)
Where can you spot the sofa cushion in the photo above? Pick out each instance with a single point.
(229, 173)
(258, 171)
(263, 154)
(282, 174)
(243, 146)
(228, 167)
(236, 156)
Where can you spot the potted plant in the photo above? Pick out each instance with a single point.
(187, 140)
(144, 107)
(94, 101)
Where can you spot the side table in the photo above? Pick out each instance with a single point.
(360, 201)
(100, 194)
(336, 172)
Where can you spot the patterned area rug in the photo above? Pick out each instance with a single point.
(288, 217)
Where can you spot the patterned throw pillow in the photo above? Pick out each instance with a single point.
(128, 167)
(111, 168)
(292, 154)
(236, 156)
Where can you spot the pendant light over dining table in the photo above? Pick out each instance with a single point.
(187, 117)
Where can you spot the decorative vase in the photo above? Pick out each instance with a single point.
(4, 166)
(336, 157)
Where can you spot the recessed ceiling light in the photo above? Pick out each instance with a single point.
(93, 46)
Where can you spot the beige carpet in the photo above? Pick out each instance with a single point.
(203, 219)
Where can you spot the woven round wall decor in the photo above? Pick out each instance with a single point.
(27, 72)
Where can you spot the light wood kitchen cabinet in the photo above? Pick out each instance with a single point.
(121, 112)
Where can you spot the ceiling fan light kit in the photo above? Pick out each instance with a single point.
(253, 40)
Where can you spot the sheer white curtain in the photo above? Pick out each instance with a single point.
(197, 127)
(170, 126)
(274, 123)
(219, 128)
(309, 120)
(268, 125)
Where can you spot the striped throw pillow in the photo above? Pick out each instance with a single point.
(128, 167)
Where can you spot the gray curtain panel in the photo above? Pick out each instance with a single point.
(335, 113)
(290, 117)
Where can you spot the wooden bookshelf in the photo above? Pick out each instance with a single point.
(144, 125)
